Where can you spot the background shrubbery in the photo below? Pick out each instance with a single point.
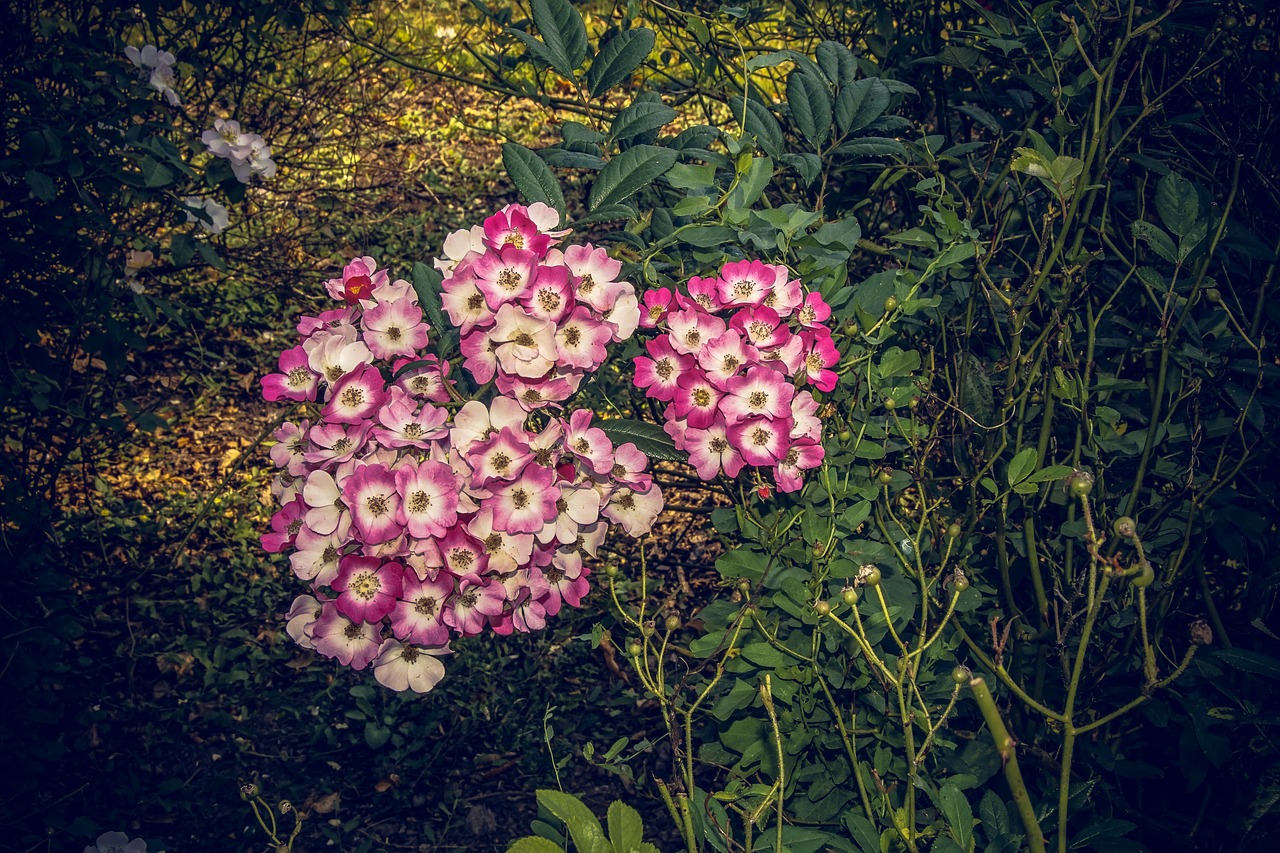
(1049, 237)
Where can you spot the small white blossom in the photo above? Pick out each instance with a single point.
(117, 842)
(248, 153)
(213, 217)
(157, 66)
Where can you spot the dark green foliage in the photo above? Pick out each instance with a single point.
(1037, 301)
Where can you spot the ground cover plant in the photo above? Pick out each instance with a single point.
(945, 342)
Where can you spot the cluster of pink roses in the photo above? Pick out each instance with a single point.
(727, 365)
(533, 318)
(415, 516)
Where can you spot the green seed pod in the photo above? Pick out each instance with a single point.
(850, 595)
(885, 477)
(954, 531)
(890, 304)
(890, 404)
(611, 570)
(961, 674)
(869, 575)
(673, 623)
(633, 648)
(1145, 576)
(960, 582)
(1080, 484)
(1125, 527)
(822, 608)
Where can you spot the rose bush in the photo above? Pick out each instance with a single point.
(415, 515)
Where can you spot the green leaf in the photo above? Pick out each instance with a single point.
(641, 117)
(976, 398)
(872, 146)
(1108, 829)
(42, 186)
(810, 107)
(763, 654)
(1022, 465)
(1031, 162)
(156, 174)
(837, 62)
(210, 256)
(1049, 473)
(534, 844)
(617, 59)
(1188, 243)
(861, 103)
(687, 176)
(182, 248)
(628, 173)
(855, 515)
(570, 159)
(846, 232)
(1159, 241)
(532, 176)
(564, 33)
(1177, 203)
(958, 813)
(583, 826)
(606, 213)
(535, 45)
(698, 136)
(752, 184)
(809, 165)
(994, 815)
(427, 284)
(626, 829)
(863, 832)
(760, 123)
(376, 735)
(649, 439)
(707, 236)
(1250, 662)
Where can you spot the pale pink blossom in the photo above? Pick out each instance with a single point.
(394, 329)
(403, 667)
(352, 643)
(418, 617)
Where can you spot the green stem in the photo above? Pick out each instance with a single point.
(850, 747)
(1007, 747)
(1073, 688)
(1003, 675)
